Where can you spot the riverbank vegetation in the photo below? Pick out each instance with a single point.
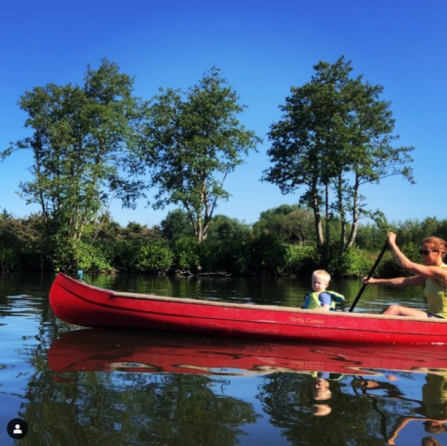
(281, 242)
(97, 142)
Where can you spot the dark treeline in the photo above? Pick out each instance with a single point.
(281, 242)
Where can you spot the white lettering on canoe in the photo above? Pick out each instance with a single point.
(307, 320)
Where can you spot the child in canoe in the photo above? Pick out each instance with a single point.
(321, 298)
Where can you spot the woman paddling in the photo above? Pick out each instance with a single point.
(432, 275)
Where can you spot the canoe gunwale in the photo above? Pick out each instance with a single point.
(136, 296)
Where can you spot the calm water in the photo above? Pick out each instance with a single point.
(95, 387)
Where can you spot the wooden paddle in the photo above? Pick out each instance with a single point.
(369, 276)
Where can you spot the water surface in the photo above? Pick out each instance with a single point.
(96, 387)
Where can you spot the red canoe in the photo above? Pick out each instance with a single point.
(161, 352)
(81, 304)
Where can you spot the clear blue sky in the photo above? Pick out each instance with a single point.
(263, 48)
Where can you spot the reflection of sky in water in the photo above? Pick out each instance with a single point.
(17, 344)
(29, 330)
(247, 389)
(415, 433)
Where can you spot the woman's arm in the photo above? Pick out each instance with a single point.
(398, 282)
(423, 271)
(399, 427)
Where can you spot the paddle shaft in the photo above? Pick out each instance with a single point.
(369, 276)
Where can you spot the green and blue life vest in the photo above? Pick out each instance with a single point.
(327, 375)
(313, 303)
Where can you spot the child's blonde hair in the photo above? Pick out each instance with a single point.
(322, 273)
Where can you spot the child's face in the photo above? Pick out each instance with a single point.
(321, 389)
(319, 283)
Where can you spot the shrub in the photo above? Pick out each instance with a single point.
(301, 260)
(154, 258)
(226, 247)
(186, 253)
(89, 258)
(123, 254)
(268, 255)
(388, 267)
(8, 258)
(354, 263)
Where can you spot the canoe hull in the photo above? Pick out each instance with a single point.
(81, 304)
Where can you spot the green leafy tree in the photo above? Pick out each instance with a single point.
(122, 245)
(193, 141)
(80, 142)
(291, 223)
(335, 135)
(227, 246)
(269, 255)
(414, 231)
(176, 225)
(370, 237)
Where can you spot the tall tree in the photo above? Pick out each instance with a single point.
(290, 223)
(335, 135)
(80, 140)
(193, 140)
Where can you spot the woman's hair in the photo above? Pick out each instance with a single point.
(438, 243)
(430, 441)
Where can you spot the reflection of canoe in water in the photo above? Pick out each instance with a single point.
(78, 303)
(139, 351)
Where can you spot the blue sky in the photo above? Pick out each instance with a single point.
(262, 48)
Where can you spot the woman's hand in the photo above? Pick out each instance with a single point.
(371, 280)
(391, 238)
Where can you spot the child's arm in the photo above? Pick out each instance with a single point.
(325, 300)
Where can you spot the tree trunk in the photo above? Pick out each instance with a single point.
(341, 211)
(328, 229)
(318, 224)
(355, 213)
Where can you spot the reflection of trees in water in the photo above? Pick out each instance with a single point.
(288, 399)
(126, 409)
(94, 408)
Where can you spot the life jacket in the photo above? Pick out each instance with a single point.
(313, 303)
(327, 375)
